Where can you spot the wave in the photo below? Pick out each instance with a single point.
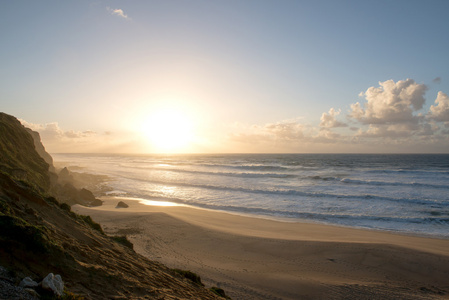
(281, 175)
(379, 183)
(436, 171)
(292, 192)
(216, 173)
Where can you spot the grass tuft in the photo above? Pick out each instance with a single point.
(189, 275)
(88, 220)
(124, 241)
(17, 229)
(65, 207)
(52, 200)
(220, 292)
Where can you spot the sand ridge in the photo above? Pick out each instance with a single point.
(254, 258)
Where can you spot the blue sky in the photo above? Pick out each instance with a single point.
(249, 76)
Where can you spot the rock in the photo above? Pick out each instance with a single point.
(27, 282)
(69, 194)
(122, 204)
(40, 149)
(11, 292)
(96, 202)
(32, 293)
(53, 283)
(86, 195)
(64, 173)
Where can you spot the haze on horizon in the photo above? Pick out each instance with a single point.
(228, 76)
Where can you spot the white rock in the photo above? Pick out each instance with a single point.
(32, 292)
(27, 282)
(53, 283)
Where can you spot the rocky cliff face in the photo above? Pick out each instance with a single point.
(39, 235)
(40, 149)
(18, 156)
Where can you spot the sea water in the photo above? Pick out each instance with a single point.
(400, 192)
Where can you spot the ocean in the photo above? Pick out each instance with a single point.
(403, 193)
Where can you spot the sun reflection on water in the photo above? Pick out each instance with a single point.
(157, 203)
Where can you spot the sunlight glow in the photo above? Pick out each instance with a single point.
(168, 130)
(158, 203)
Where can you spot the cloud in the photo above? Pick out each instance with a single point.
(328, 120)
(391, 120)
(390, 103)
(437, 80)
(55, 139)
(287, 130)
(52, 131)
(387, 131)
(118, 12)
(440, 111)
(279, 134)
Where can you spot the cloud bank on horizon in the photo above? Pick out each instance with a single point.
(392, 116)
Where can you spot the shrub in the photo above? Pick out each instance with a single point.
(220, 292)
(65, 207)
(88, 220)
(4, 207)
(31, 236)
(52, 200)
(71, 296)
(189, 275)
(124, 241)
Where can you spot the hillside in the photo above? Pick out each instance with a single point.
(39, 235)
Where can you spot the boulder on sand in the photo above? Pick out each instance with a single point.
(122, 204)
(96, 202)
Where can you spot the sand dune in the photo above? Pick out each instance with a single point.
(254, 258)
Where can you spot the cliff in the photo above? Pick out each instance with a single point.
(40, 149)
(39, 235)
(18, 157)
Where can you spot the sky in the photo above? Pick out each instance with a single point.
(249, 76)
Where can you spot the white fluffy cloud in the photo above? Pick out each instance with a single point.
(52, 131)
(57, 140)
(328, 120)
(390, 103)
(118, 12)
(284, 136)
(392, 116)
(288, 130)
(440, 111)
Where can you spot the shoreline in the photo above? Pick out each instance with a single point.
(252, 258)
(276, 219)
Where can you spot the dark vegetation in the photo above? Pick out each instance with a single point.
(189, 275)
(47, 295)
(94, 225)
(18, 231)
(65, 207)
(124, 241)
(220, 292)
(195, 278)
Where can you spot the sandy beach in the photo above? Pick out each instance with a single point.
(255, 258)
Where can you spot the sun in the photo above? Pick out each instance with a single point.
(168, 130)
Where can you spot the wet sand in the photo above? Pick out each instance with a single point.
(254, 258)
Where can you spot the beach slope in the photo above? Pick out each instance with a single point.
(254, 258)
